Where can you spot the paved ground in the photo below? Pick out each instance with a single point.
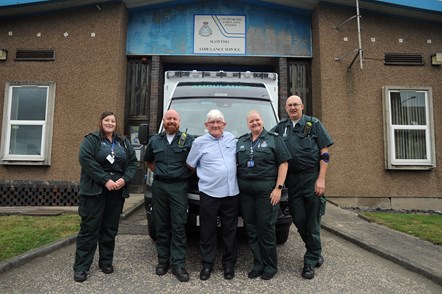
(348, 267)
(410, 252)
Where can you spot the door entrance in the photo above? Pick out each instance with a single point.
(145, 80)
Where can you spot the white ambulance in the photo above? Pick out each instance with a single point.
(193, 94)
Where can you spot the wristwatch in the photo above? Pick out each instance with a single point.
(279, 187)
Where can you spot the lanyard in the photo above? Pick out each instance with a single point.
(112, 148)
(251, 163)
(252, 146)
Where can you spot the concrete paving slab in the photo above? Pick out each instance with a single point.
(43, 212)
(408, 251)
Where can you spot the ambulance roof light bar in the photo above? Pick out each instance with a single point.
(220, 74)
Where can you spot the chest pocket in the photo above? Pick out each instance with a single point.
(242, 155)
(263, 152)
(230, 145)
(306, 143)
(180, 153)
(159, 153)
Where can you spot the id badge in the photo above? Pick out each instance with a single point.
(110, 158)
(250, 163)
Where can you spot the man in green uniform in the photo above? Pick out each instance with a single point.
(166, 156)
(308, 142)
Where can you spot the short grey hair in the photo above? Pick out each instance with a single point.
(215, 114)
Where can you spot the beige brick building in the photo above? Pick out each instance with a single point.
(62, 63)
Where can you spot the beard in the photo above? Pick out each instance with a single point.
(171, 128)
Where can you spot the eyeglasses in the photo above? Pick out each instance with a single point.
(217, 122)
(294, 105)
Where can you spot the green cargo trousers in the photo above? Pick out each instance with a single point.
(305, 208)
(100, 216)
(169, 210)
(260, 219)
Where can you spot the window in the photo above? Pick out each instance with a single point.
(299, 83)
(27, 123)
(409, 134)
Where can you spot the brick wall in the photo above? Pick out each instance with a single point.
(38, 193)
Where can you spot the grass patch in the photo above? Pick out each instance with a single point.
(19, 234)
(423, 226)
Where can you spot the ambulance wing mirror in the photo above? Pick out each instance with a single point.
(143, 134)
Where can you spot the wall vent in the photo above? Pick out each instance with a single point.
(34, 55)
(403, 59)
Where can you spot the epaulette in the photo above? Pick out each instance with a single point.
(273, 133)
(90, 134)
(158, 135)
(312, 119)
(154, 137)
(283, 121)
(244, 135)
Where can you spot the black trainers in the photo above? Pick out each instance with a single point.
(205, 273)
(253, 274)
(181, 274)
(229, 273)
(320, 261)
(308, 272)
(107, 269)
(161, 269)
(80, 277)
(267, 276)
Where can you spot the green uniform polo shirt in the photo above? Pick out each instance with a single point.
(303, 146)
(267, 153)
(169, 159)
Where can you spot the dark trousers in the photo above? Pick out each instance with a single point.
(260, 218)
(169, 209)
(227, 209)
(305, 208)
(100, 216)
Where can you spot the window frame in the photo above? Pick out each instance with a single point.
(393, 163)
(47, 126)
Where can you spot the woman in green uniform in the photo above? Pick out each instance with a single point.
(262, 167)
(108, 165)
